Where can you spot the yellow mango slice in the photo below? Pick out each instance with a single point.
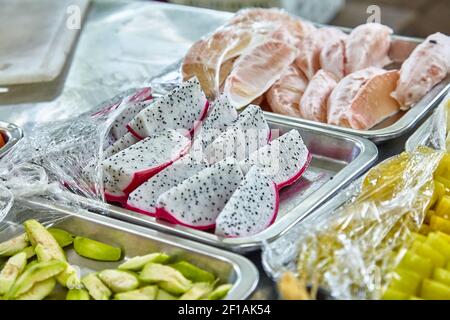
(427, 251)
(442, 276)
(443, 207)
(438, 243)
(415, 263)
(405, 281)
(440, 224)
(433, 290)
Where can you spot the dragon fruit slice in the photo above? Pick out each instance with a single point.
(181, 109)
(283, 160)
(249, 133)
(221, 114)
(122, 143)
(198, 200)
(119, 126)
(128, 169)
(252, 207)
(144, 198)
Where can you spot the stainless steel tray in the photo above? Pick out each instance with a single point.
(136, 240)
(11, 133)
(420, 136)
(401, 122)
(337, 159)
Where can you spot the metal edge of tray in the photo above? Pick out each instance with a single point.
(400, 127)
(420, 136)
(13, 134)
(368, 154)
(247, 275)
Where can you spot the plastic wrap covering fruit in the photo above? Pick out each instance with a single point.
(353, 251)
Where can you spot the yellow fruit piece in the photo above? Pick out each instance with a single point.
(442, 276)
(415, 298)
(419, 237)
(415, 263)
(438, 243)
(405, 281)
(392, 294)
(444, 181)
(443, 168)
(443, 207)
(424, 229)
(440, 224)
(433, 290)
(443, 236)
(427, 251)
(428, 216)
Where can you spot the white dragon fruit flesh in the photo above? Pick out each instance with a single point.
(127, 113)
(221, 114)
(252, 207)
(181, 109)
(284, 159)
(128, 169)
(247, 134)
(198, 200)
(144, 198)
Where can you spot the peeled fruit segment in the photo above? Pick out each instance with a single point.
(427, 65)
(96, 288)
(77, 294)
(39, 290)
(137, 263)
(252, 207)
(197, 291)
(129, 168)
(285, 94)
(193, 273)
(11, 271)
(63, 237)
(256, 71)
(118, 280)
(166, 277)
(362, 99)
(332, 57)
(308, 59)
(367, 46)
(144, 293)
(178, 110)
(220, 292)
(198, 200)
(313, 105)
(284, 159)
(433, 290)
(39, 272)
(14, 245)
(96, 250)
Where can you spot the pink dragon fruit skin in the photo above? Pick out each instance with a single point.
(284, 159)
(251, 209)
(128, 169)
(144, 198)
(198, 200)
(247, 134)
(119, 126)
(181, 109)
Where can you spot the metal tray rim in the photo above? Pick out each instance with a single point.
(247, 274)
(366, 157)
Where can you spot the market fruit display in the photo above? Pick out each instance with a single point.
(149, 277)
(272, 57)
(176, 168)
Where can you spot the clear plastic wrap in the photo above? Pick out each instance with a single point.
(351, 251)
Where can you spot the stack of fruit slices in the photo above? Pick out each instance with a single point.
(424, 271)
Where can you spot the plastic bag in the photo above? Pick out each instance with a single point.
(351, 251)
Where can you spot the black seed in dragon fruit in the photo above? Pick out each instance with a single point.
(128, 169)
(247, 134)
(197, 201)
(181, 109)
(284, 159)
(127, 113)
(144, 198)
(251, 209)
